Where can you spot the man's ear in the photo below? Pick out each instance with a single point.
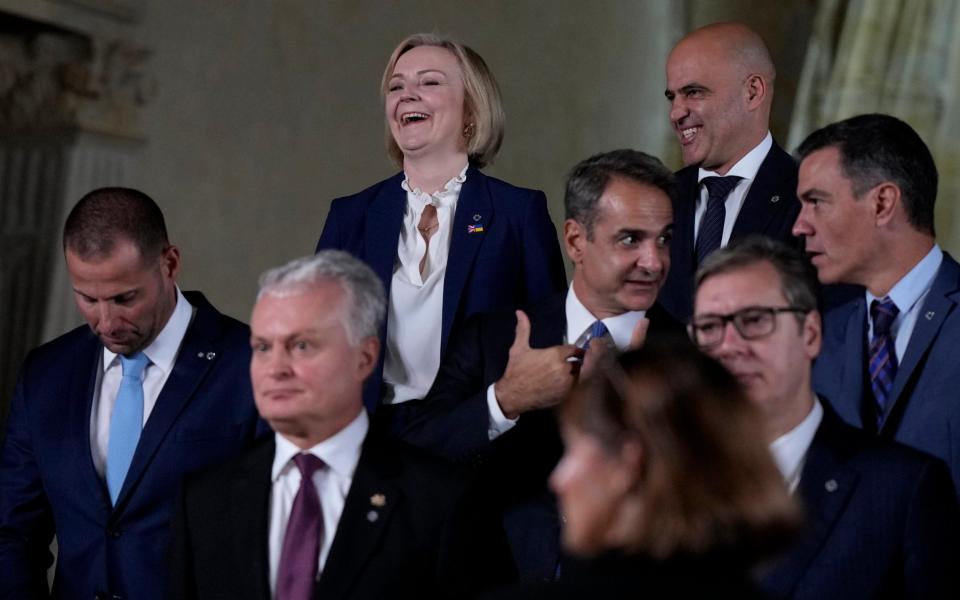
(574, 239)
(886, 198)
(369, 353)
(170, 260)
(755, 89)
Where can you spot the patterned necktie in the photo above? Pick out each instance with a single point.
(126, 422)
(297, 571)
(429, 223)
(711, 225)
(883, 356)
(597, 330)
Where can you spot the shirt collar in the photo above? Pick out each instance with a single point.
(162, 351)
(447, 196)
(340, 452)
(747, 166)
(914, 284)
(790, 449)
(579, 320)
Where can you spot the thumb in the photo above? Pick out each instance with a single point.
(639, 335)
(521, 339)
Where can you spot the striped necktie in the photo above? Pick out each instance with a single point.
(883, 355)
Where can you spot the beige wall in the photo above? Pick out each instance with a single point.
(268, 110)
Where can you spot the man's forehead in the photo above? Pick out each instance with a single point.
(752, 284)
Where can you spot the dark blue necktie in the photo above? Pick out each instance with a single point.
(597, 330)
(711, 225)
(126, 422)
(883, 355)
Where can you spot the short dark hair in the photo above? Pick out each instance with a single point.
(798, 278)
(589, 178)
(876, 148)
(108, 215)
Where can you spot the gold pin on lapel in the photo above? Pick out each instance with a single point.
(378, 500)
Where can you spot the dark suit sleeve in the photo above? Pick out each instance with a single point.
(182, 580)
(932, 559)
(453, 419)
(474, 554)
(544, 275)
(330, 236)
(26, 520)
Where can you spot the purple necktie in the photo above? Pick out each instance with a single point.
(710, 233)
(297, 571)
(883, 356)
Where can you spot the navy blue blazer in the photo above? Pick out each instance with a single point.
(882, 522)
(453, 420)
(48, 483)
(514, 261)
(430, 535)
(770, 208)
(923, 411)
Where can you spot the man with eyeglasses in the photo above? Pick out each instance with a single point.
(882, 518)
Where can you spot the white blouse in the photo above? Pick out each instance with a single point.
(415, 310)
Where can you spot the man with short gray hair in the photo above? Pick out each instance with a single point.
(335, 508)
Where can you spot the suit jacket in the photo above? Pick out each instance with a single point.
(431, 538)
(453, 423)
(514, 261)
(922, 411)
(882, 522)
(770, 208)
(48, 483)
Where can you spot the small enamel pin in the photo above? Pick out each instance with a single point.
(372, 516)
(209, 355)
(774, 199)
(474, 228)
(378, 500)
(929, 314)
(831, 485)
(476, 217)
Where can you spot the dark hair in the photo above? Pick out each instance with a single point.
(798, 278)
(875, 148)
(707, 481)
(589, 178)
(108, 215)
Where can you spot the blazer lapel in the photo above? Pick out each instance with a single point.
(825, 487)
(471, 224)
(937, 305)
(767, 199)
(83, 379)
(367, 511)
(196, 356)
(248, 508)
(853, 340)
(383, 222)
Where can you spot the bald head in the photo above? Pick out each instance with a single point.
(720, 85)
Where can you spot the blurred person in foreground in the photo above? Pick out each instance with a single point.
(446, 240)
(665, 488)
(881, 518)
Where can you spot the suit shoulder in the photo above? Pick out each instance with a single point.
(214, 477)
(879, 455)
(64, 346)
(418, 470)
(360, 200)
(500, 189)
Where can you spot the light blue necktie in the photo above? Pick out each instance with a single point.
(125, 422)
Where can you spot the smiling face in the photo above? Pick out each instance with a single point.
(711, 104)
(425, 102)
(125, 298)
(621, 266)
(775, 369)
(307, 376)
(838, 227)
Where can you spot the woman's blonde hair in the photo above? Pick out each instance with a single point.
(706, 480)
(481, 98)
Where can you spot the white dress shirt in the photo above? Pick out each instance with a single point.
(340, 453)
(579, 321)
(908, 295)
(415, 310)
(790, 449)
(746, 168)
(162, 354)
